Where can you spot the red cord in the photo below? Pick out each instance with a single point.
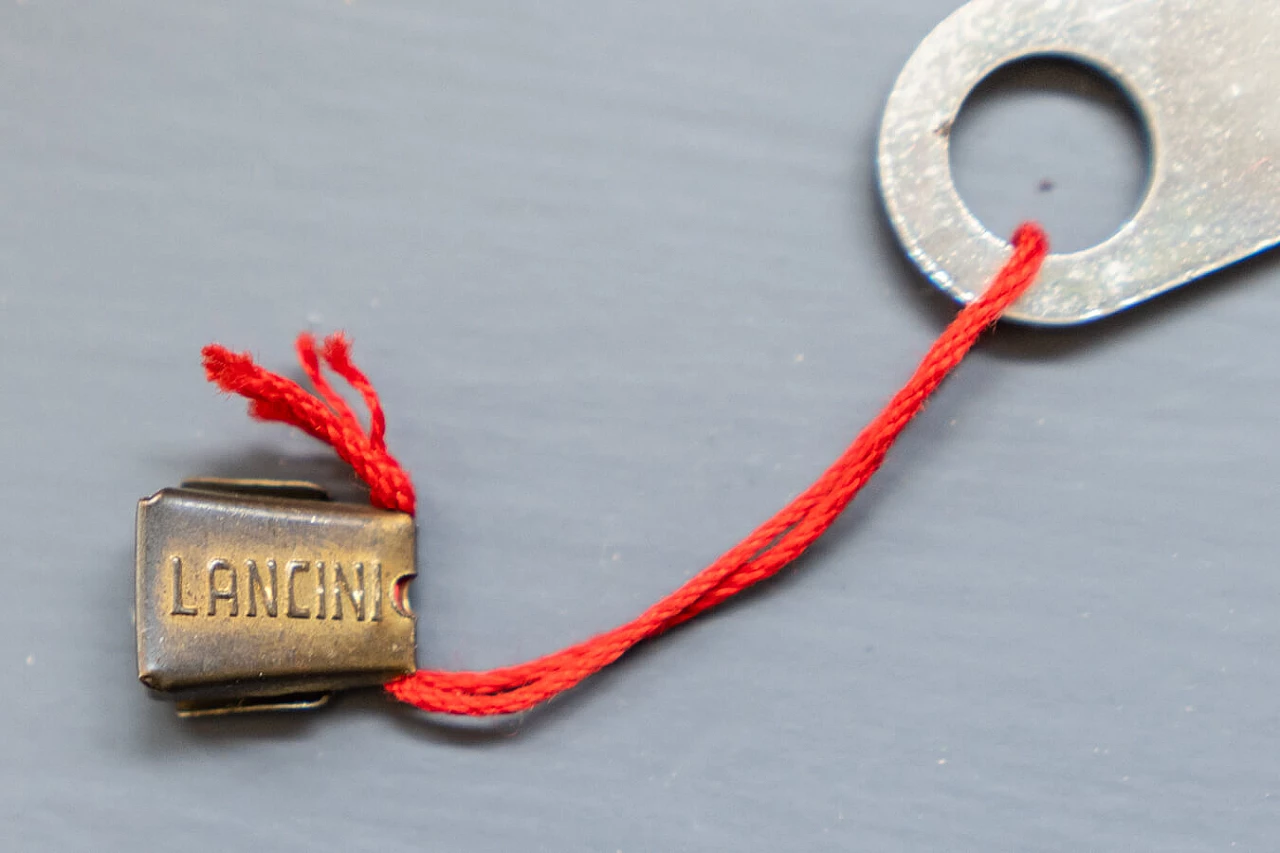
(768, 549)
(275, 398)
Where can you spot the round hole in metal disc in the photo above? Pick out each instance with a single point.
(1054, 140)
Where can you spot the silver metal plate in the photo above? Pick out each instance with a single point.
(1202, 75)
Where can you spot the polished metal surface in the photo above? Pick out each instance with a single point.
(265, 595)
(1202, 76)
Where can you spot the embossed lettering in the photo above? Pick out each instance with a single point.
(268, 591)
(320, 590)
(357, 590)
(355, 595)
(215, 594)
(179, 608)
(295, 568)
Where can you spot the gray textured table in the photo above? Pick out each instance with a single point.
(621, 274)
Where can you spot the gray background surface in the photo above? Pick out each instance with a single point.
(621, 275)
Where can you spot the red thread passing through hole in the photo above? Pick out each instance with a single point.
(762, 554)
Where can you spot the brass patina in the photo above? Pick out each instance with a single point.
(260, 594)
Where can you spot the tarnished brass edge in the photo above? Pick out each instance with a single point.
(194, 708)
(139, 586)
(261, 487)
(267, 688)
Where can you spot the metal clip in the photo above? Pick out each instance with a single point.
(264, 595)
(1202, 76)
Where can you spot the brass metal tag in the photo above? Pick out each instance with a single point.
(257, 594)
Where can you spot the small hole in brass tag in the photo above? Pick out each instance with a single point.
(400, 595)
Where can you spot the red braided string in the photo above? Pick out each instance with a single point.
(762, 554)
(275, 398)
(337, 354)
(309, 358)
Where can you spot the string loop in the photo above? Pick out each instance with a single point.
(762, 554)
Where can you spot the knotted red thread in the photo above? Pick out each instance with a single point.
(762, 554)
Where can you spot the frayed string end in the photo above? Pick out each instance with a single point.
(324, 415)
